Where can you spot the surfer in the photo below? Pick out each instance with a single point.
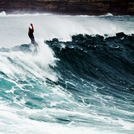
(31, 36)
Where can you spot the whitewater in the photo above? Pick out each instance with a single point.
(80, 81)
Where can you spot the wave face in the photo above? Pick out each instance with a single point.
(98, 71)
(81, 86)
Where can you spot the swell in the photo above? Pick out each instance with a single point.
(105, 61)
(100, 59)
(94, 87)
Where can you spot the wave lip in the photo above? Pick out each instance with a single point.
(3, 13)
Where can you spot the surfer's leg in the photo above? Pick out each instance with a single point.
(35, 44)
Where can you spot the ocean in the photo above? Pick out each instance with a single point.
(80, 81)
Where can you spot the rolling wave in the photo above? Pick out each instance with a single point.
(86, 82)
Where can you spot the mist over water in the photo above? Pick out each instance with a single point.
(48, 26)
(80, 81)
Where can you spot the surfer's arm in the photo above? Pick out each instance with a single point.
(32, 27)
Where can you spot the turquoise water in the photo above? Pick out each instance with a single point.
(76, 84)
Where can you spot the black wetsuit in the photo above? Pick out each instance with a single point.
(31, 36)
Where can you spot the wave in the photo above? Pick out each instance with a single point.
(107, 60)
(19, 14)
(23, 58)
(98, 71)
(86, 82)
(3, 13)
(97, 58)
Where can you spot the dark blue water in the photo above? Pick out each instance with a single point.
(99, 72)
